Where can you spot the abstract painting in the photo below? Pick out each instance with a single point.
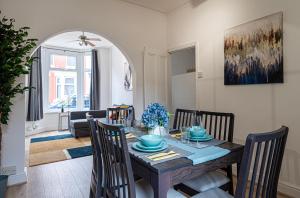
(127, 77)
(253, 52)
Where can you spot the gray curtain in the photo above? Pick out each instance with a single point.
(95, 83)
(35, 98)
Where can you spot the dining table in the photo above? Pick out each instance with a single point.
(164, 174)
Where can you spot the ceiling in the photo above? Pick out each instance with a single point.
(164, 6)
(68, 40)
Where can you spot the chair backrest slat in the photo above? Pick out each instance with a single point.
(261, 164)
(218, 124)
(220, 127)
(118, 180)
(184, 118)
(210, 124)
(225, 127)
(257, 156)
(262, 168)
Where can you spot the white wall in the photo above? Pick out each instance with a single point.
(48, 123)
(257, 107)
(104, 57)
(128, 26)
(13, 144)
(119, 94)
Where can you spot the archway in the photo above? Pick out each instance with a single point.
(64, 66)
(67, 42)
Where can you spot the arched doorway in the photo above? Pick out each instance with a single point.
(66, 68)
(66, 75)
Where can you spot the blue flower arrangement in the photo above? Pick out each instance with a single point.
(155, 115)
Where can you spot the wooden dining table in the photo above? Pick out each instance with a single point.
(164, 175)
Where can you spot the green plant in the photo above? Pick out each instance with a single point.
(15, 61)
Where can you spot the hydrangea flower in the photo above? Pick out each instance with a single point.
(155, 115)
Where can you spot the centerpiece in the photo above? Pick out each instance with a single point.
(156, 119)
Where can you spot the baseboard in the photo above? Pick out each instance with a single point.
(18, 178)
(288, 189)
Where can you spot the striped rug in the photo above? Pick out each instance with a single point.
(44, 150)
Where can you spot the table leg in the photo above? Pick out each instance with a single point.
(161, 185)
(229, 175)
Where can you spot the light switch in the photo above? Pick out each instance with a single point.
(200, 74)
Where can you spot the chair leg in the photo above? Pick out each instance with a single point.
(229, 175)
(92, 193)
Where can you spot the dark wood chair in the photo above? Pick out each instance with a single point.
(260, 167)
(118, 178)
(96, 187)
(220, 126)
(120, 114)
(184, 118)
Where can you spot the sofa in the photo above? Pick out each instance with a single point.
(78, 123)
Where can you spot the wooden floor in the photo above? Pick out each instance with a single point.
(65, 179)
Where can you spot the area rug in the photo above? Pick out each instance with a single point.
(44, 150)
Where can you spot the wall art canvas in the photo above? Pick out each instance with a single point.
(254, 52)
(127, 77)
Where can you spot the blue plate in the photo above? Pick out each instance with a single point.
(141, 146)
(201, 139)
(163, 147)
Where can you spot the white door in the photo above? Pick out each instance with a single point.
(155, 77)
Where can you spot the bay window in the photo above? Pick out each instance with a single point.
(67, 76)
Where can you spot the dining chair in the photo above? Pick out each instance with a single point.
(119, 114)
(260, 167)
(118, 178)
(96, 186)
(220, 126)
(184, 118)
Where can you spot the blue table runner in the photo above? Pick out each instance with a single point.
(207, 154)
(200, 155)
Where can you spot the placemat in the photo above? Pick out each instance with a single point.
(201, 152)
(143, 155)
(208, 154)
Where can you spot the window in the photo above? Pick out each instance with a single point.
(68, 79)
(63, 62)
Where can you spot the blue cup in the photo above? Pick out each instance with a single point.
(197, 131)
(151, 140)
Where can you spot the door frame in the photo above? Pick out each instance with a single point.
(195, 45)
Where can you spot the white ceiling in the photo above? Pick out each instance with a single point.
(164, 6)
(68, 40)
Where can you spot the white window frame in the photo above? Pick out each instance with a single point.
(47, 52)
(83, 72)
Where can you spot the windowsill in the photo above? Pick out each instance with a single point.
(69, 110)
(52, 112)
(57, 112)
